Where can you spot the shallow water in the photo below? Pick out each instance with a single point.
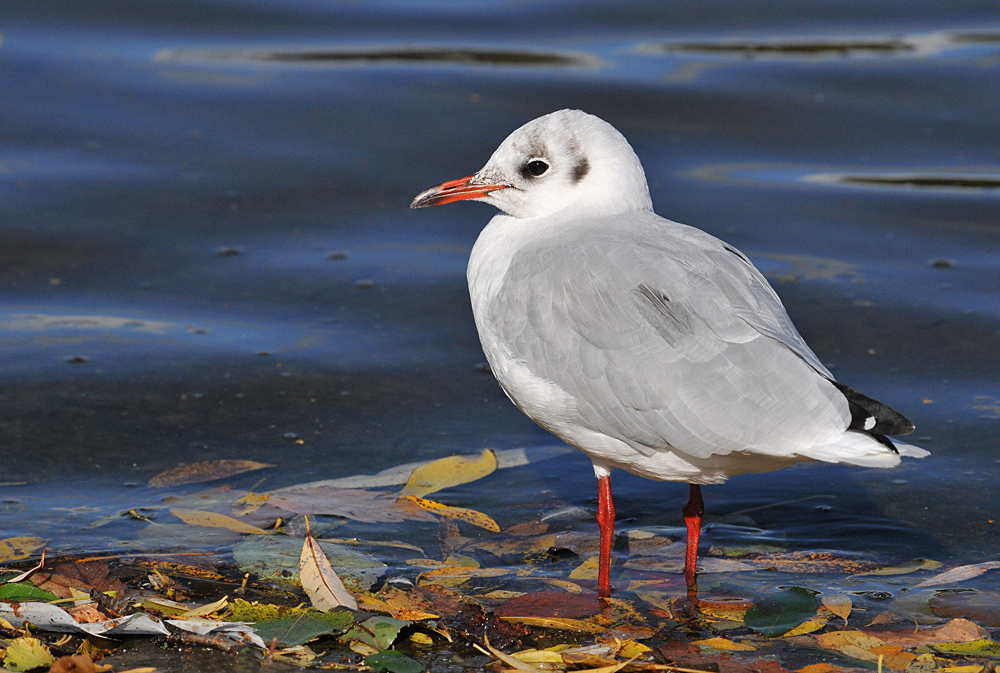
(205, 243)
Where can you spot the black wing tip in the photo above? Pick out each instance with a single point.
(873, 417)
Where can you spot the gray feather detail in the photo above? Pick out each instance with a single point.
(666, 339)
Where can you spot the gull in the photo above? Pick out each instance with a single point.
(651, 346)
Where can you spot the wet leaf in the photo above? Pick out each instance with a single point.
(820, 668)
(205, 610)
(452, 576)
(83, 576)
(976, 648)
(301, 628)
(378, 632)
(195, 517)
(959, 574)
(276, 559)
(724, 644)
(393, 661)
(17, 548)
(319, 580)
(854, 644)
(562, 623)
(447, 472)
(551, 604)
(955, 631)
(206, 470)
(23, 591)
(587, 570)
(810, 625)
(27, 653)
(781, 613)
(904, 568)
(459, 513)
(350, 503)
(839, 604)
(813, 562)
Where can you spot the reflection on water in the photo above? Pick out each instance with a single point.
(203, 254)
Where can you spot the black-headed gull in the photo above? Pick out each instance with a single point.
(649, 345)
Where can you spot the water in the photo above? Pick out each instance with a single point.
(205, 243)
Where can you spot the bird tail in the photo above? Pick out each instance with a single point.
(861, 448)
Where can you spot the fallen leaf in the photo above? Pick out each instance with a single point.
(205, 610)
(451, 576)
(510, 660)
(724, 644)
(379, 632)
(904, 568)
(299, 629)
(447, 472)
(474, 624)
(250, 503)
(17, 548)
(27, 573)
(820, 668)
(631, 649)
(320, 582)
(561, 623)
(839, 604)
(22, 591)
(533, 656)
(27, 653)
(393, 661)
(351, 503)
(813, 562)
(782, 612)
(837, 640)
(206, 470)
(571, 587)
(959, 574)
(84, 576)
(195, 517)
(955, 631)
(460, 513)
(551, 604)
(810, 625)
(587, 570)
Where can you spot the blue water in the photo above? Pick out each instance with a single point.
(205, 242)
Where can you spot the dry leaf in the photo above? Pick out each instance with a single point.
(321, 583)
(447, 472)
(839, 604)
(460, 513)
(196, 517)
(206, 470)
(959, 574)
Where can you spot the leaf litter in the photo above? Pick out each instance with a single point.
(522, 596)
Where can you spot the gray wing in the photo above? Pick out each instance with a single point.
(665, 336)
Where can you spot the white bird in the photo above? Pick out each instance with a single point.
(649, 345)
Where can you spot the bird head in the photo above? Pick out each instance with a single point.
(561, 160)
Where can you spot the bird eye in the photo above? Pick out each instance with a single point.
(536, 167)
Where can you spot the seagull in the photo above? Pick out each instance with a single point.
(651, 346)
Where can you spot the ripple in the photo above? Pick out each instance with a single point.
(438, 55)
(936, 181)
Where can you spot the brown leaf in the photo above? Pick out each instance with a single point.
(83, 576)
(955, 631)
(473, 624)
(78, 663)
(350, 503)
(551, 604)
(206, 470)
(812, 562)
(86, 614)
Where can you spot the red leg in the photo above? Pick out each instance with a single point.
(606, 522)
(692, 517)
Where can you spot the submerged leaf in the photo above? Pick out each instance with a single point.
(724, 644)
(300, 629)
(393, 661)
(451, 471)
(319, 580)
(781, 613)
(196, 517)
(904, 568)
(350, 503)
(839, 604)
(977, 648)
(17, 548)
(206, 470)
(959, 574)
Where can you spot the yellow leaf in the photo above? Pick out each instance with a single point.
(808, 626)
(631, 649)
(206, 470)
(17, 548)
(974, 668)
(839, 604)
(204, 610)
(838, 639)
(195, 517)
(460, 513)
(447, 472)
(562, 623)
(320, 582)
(820, 668)
(586, 570)
(27, 653)
(453, 575)
(571, 587)
(250, 503)
(534, 656)
(421, 639)
(905, 568)
(724, 644)
(501, 594)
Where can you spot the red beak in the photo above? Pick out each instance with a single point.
(453, 190)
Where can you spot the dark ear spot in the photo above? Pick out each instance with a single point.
(581, 169)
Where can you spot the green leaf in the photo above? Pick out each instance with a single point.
(291, 631)
(977, 648)
(393, 662)
(777, 615)
(23, 592)
(378, 631)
